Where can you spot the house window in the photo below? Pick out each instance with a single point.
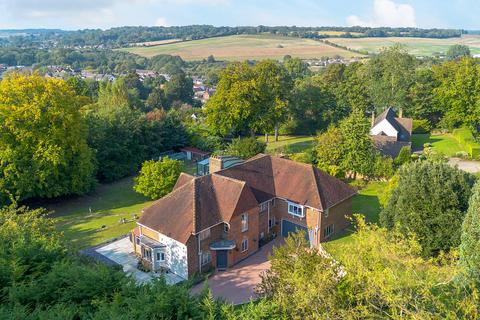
(244, 222)
(160, 256)
(328, 231)
(264, 206)
(206, 257)
(147, 254)
(226, 227)
(137, 239)
(295, 209)
(244, 245)
(204, 234)
(271, 222)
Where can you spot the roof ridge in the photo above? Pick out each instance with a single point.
(216, 174)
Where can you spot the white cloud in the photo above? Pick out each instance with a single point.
(161, 22)
(386, 13)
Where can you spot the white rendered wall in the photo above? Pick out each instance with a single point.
(385, 127)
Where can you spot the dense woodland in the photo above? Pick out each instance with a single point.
(63, 137)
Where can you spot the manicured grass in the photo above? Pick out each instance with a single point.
(288, 144)
(243, 47)
(366, 203)
(415, 46)
(443, 143)
(109, 205)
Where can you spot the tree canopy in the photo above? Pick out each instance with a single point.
(43, 147)
(157, 178)
(430, 200)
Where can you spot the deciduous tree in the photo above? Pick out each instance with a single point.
(157, 178)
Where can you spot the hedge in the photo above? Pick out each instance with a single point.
(465, 137)
(421, 126)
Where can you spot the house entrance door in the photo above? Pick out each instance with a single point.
(222, 259)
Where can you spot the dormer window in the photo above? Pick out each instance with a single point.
(296, 210)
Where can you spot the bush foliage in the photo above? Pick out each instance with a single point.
(430, 200)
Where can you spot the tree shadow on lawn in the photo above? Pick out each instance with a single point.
(418, 140)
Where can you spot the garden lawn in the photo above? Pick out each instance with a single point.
(442, 143)
(365, 203)
(288, 144)
(109, 204)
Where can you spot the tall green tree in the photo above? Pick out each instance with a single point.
(234, 107)
(359, 152)
(329, 152)
(157, 178)
(457, 95)
(390, 75)
(43, 148)
(430, 200)
(470, 239)
(422, 97)
(179, 88)
(275, 84)
(457, 51)
(312, 107)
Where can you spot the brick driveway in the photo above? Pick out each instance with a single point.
(236, 284)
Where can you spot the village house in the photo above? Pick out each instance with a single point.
(391, 133)
(217, 220)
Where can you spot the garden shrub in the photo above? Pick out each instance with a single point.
(465, 137)
(421, 126)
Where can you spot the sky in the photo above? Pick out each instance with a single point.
(104, 14)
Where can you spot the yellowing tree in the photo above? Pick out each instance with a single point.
(43, 149)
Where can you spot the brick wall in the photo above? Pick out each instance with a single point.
(280, 211)
(235, 233)
(337, 216)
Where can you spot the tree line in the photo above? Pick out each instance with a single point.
(122, 36)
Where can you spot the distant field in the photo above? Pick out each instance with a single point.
(243, 47)
(415, 46)
(156, 43)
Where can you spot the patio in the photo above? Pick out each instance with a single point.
(121, 252)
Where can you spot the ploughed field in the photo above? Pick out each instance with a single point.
(244, 47)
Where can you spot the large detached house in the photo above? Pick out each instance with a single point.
(221, 218)
(390, 133)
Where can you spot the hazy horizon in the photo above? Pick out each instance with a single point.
(105, 14)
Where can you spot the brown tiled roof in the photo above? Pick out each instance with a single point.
(172, 214)
(389, 146)
(183, 179)
(198, 203)
(270, 176)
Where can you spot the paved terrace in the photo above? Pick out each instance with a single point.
(121, 252)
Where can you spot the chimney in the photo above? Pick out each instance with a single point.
(400, 113)
(216, 164)
(373, 117)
